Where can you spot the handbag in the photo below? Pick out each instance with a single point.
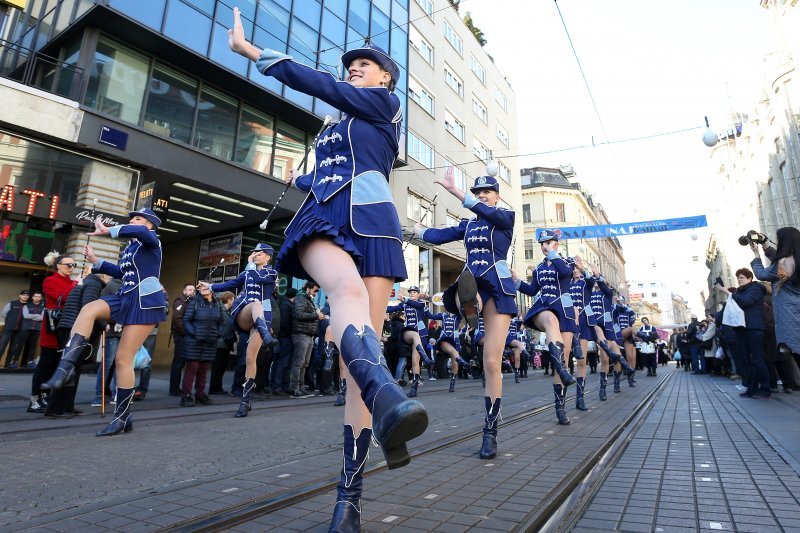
(52, 317)
(141, 359)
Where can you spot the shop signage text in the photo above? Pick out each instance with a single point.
(7, 198)
(54, 211)
(113, 137)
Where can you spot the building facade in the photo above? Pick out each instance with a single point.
(757, 158)
(461, 112)
(114, 104)
(552, 197)
(672, 307)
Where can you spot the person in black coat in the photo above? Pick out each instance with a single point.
(750, 339)
(204, 324)
(224, 345)
(62, 401)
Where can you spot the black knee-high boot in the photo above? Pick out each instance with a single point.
(560, 393)
(261, 326)
(616, 381)
(603, 382)
(423, 355)
(579, 401)
(489, 446)
(66, 366)
(341, 398)
(412, 392)
(396, 419)
(616, 358)
(452, 382)
(576, 347)
(244, 403)
(123, 420)
(556, 353)
(355, 450)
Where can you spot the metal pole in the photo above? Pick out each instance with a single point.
(103, 375)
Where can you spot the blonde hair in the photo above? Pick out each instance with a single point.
(51, 258)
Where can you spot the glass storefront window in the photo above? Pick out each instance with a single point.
(275, 22)
(170, 104)
(222, 54)
(308, 12)
(303, 44)
(117, 81)
(188, 26)
(380, 28)
(333, 27)
(256, 137)
(216, 123)
(359, 16)
(150, 13)
(206, 6)
(290, 148)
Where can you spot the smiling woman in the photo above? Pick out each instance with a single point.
(346, 236)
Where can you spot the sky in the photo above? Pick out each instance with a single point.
(652, 67)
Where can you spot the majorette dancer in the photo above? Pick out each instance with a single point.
(138, 306)
(347, 237)
(485, 285)
(415, 333)
(580, 289)
(626, 317)
(513, 342)
(448, 342)
(602, 304)
(553, 312)
(251, 311)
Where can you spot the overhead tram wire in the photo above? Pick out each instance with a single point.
(588, 89)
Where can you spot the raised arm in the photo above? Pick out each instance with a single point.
(441, 235)
(230, 285)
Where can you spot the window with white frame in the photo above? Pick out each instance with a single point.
(504, 172)
(451, 219)
(454, 126)
(502, 134)
(418, 43)
(416, 206)
(477, 69)
(420, 95)
(500, 98)
(453, 81)
(459, 177)
(427, 6)
(479, 109)
(480, 150)
(420, 150)
(453, 38)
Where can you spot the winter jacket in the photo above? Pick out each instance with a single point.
(304, 317)
(691, 333)
(228, 336)
(287, 310)
(80, 295)
(203, 323)
(785, 305)
(710, 335)
(32, 316)
(55, 288)
(12, 312)
(750, 298)
(178, 308)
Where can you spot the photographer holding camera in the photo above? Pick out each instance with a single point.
(782, 272)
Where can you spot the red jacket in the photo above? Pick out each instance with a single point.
(54, 286)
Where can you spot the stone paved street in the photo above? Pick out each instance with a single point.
(179, 464)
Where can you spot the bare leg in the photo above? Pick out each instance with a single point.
(517, 347)
(580, 369)
(412, 339)
(246, 320)
(548, 322)
(133, 336)
(496, 327)
(450, 350)
(96, 310)
(352, 302)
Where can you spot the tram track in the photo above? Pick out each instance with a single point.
(584, 475)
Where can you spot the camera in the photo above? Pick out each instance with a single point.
(752, 236)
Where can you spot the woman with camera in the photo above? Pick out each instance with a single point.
(782, 272)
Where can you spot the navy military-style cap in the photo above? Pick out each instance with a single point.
(148, 214)
(413, 288)
(485, 182)
(376, 54)
(549, 235)
(264, 247)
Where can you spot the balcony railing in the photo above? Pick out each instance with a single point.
(34, 69)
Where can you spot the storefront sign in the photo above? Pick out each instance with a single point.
(8, 201)
(113, 137)
(635, 296)
(629, 228)
(150, 198)
(219, 258)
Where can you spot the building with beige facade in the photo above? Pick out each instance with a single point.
(461, 112)
(552, 197)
